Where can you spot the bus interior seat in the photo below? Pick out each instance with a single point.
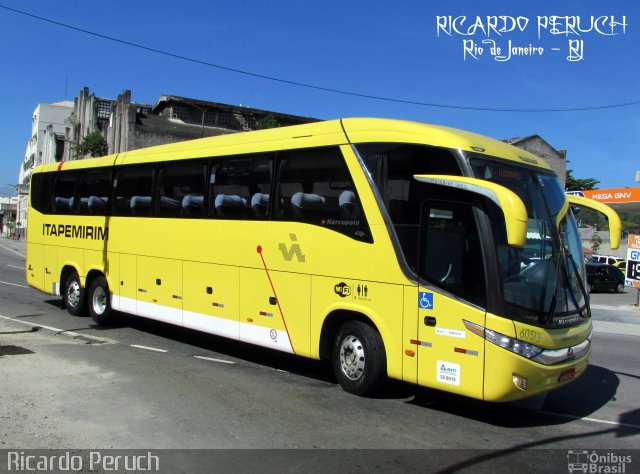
(122, 204)
(140, 204)
(348, 205)
(307, 204)
(63, 204)
(192, 204)
(230, 205)
(444, 256)
(97, 203)
(260, 204)
(170, 203)
(84, 204)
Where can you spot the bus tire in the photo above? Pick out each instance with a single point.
(99, 300)
(73, 296)
(358, 358)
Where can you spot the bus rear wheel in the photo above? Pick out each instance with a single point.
(100, 301)
(358, 358)
(73, 296)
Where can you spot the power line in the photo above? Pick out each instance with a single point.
(313, 86)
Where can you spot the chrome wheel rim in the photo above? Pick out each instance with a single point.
(99, 300)
(73, 293)
(352, 357)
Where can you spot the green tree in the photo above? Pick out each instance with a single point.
(596, 241)
(576, 184)
(93, 145)
(268, 121)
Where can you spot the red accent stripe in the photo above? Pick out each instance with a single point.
(60, 165)
(413, 341)
(459, 350)
(264, 264)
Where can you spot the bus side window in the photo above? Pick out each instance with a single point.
(240, 187)
(181, 188)
(314, 186)
(63, 195)
(133, 191)
(93, 191)
(40, 192)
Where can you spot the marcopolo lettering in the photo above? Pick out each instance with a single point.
(91, 232)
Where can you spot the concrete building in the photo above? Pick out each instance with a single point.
(49, 125)
(8, 208)
(587, 237)
(537, 145)
(89, 114)
(127, 125)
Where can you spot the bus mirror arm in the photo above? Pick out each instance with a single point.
(512, 207)
(615, 226)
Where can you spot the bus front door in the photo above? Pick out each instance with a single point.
(452, 291)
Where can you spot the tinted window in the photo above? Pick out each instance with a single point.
(40, 183)
(181, 187)
(133, 191)
(450, 253)
(314, 186)
(392, 167)
(64, 184)
(94, 188)
(240, 187)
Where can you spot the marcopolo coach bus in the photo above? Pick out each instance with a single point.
(390, 248)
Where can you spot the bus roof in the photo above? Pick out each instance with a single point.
(331, 132)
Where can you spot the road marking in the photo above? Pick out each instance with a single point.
(147, 348)
(16, 266)
(593, 420)
(62, 332)
(32, 324)
(13, 284)
(211, 359)
(13, 251)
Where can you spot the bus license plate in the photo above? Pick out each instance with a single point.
(567, 375)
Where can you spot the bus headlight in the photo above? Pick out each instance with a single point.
(514, 345)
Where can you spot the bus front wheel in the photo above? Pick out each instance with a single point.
(73, 297)
(100, 300)
(358, 358)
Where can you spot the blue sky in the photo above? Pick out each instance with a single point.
(369, 47)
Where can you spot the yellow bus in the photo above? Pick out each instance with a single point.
(390, 248)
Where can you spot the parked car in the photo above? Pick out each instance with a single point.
(603, 277)
(621, 265)
(611, 260)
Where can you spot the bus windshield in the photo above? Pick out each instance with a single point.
(543, 282)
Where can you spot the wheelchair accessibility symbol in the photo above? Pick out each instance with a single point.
(425, 300)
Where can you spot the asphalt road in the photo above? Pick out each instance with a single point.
(66, 383)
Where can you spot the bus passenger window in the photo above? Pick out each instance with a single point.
(240, 187)
(133, 191)
(40, 185)
(315, 187)
(180, 188)
(93, 191)
(64, 192)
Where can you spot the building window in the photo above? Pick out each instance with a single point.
(103, 109)
(222, 119)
